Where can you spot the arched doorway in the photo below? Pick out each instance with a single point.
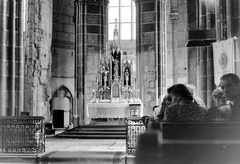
(61, 108)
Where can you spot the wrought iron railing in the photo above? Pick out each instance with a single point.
(22, 134)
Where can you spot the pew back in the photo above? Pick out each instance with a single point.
(198, 130)
(190, 143)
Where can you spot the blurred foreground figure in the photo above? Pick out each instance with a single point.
(196, 99)
(220, 111)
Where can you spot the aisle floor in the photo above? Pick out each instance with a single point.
(84, 151)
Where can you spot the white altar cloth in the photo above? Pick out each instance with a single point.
(111, 110)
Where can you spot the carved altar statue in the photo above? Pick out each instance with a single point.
(116, 64)
(117, 82)
(104, 88)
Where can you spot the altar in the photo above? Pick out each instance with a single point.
(116, 95)
(114, 110)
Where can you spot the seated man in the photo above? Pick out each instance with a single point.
(230, 85)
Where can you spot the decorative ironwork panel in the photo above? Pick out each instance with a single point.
(22, 135)
(92, 19)
(135, 127)
(92, 39)
(148, 17)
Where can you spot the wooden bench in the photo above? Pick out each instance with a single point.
(190, 143)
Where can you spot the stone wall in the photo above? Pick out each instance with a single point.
(63, 48)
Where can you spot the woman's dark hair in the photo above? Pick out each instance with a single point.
(182, 91)
(170, 89)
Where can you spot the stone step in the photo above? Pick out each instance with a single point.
(89, 136)
(95, 132)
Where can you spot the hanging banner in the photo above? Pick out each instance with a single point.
(223, 56)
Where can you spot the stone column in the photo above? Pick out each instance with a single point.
(91, 37)
(37, 40)
(218, 20)
(12, 59)
(210, 24)
(207, 22)
(193, 52)
(151, 51)
(235, 27)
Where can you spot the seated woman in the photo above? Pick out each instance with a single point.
(220, 111)
(165, 103)
(182, 106)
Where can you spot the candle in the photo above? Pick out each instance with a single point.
(97, 82)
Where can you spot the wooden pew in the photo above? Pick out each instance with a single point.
(198, 130)
(190, 143)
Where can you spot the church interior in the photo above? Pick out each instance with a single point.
(98, 62)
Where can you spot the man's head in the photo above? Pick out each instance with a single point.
(230, 85)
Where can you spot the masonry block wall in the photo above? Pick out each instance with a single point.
(63, 48)
(150, 50)
(91, 22)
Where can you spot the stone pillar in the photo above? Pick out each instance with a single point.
(210, 24)
(151, 51)
(229, 14)
(174, 22)
(12, 59)
(38, 38)
(207, 22)
(193, 52)
(91, 38)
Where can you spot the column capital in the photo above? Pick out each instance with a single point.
(106, 2)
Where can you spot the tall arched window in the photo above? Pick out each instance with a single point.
(125, 13)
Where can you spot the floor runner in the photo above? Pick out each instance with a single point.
(83, 157)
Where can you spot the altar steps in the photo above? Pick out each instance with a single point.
(95, 132)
